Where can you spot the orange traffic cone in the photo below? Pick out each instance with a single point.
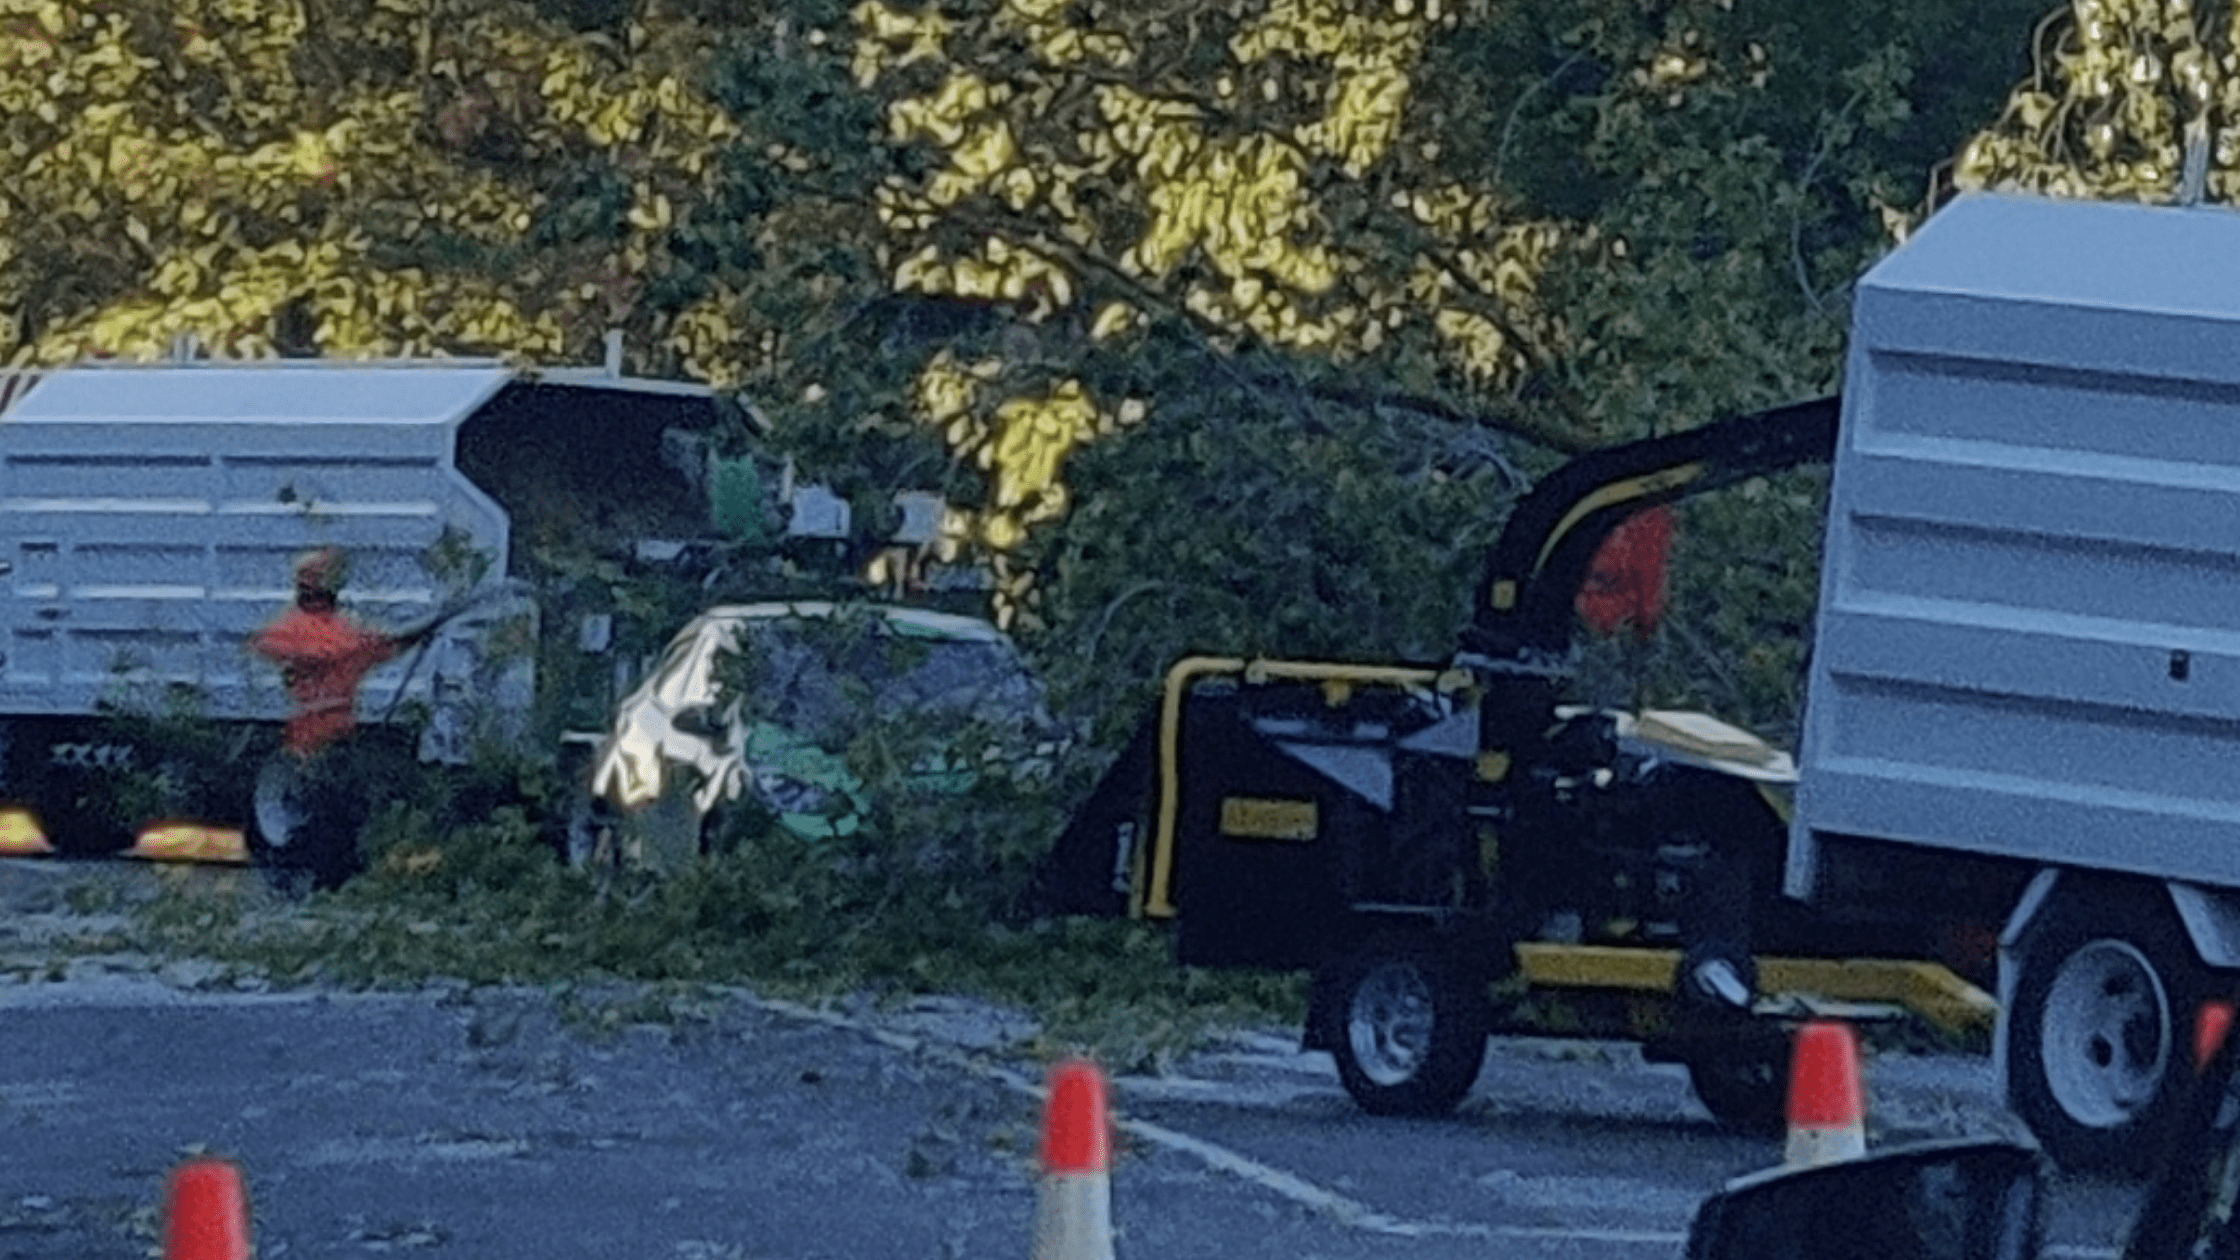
(1073, 1214)
(2209, 1029)
(1827, 1114)
(206, 1214)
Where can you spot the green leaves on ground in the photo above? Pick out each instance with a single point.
(924, 897)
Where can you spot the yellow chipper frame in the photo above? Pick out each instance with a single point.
(1451, 853)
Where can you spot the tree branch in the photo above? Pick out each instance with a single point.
(1492, 308)
(1081, 79)
(1804, 189)
(1512, 423)
(1211, 335)
(1509, 124)
(1104, 619)
(1702, 652)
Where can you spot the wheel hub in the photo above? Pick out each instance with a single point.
(1389, 1024)
(2107, 1035)
(280, 815)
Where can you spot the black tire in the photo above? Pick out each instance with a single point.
(1745, 1086)
(305, 822)
(1738, 1065)
(94, 789)
(76, 818)
(1410, 1027)
(2099, 1039)
(64, 773)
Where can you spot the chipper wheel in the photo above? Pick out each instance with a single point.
(1409, 1026)
(1737, 1060)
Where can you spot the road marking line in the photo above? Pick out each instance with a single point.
(1346, 1211)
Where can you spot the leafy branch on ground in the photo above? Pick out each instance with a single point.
(786, 916)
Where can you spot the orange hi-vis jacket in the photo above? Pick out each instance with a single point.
(323, 656)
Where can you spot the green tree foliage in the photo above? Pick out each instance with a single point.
(2119, 92)
(1228, 326)
(365, 177)
(1568, 224)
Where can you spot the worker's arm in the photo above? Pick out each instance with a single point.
(416, 634)
(420, 631)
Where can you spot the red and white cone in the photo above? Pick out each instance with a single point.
(1073, 1214)
(205, 1213)
(2209, 1029)
(1827, 1111)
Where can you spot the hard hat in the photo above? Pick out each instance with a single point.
(321, 569)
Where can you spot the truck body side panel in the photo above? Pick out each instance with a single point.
(2028, 642)
(148, 518)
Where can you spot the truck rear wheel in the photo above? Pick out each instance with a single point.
(76, 817)
(1411, 1027)
(305, 820)
(66, 773)
(2098, 1043)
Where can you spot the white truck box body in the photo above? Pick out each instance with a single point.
(149, 513)
(2028, 638)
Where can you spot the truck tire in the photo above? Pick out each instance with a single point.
(305, 820)
(2098, 1041)
(1411, 1027)
(74, 815)
(64, 773)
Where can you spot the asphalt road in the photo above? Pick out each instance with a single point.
(480, 1123)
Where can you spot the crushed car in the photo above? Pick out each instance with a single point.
(762, 703)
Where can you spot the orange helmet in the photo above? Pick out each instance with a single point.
(321, 570)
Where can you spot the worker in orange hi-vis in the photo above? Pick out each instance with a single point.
(310, 803)
(324, 654)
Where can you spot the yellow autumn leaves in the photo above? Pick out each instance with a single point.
(997, 270)
(1227, 223)
(2118, 93)
(246, 161)
(1371, 48)
(239, 163)
(1021, 444)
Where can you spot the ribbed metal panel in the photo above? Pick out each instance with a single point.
(149, 515)
(2029, 626)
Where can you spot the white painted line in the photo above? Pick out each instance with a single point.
(1349, 1212)
(1346, 1211)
